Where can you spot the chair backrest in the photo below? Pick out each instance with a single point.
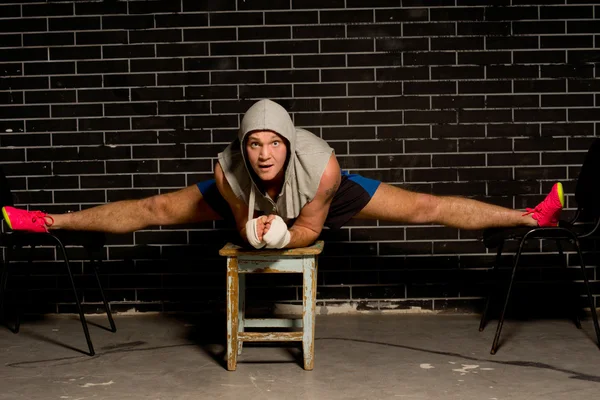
(6, 198)
(587, 191)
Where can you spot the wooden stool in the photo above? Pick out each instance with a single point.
(242, 261)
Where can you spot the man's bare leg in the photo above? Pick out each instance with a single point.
(180, 207)
(390, 203)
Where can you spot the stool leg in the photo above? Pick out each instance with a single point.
(308, 311)
(232, 313)
(242, 308)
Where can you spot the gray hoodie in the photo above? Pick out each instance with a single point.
(308, 156)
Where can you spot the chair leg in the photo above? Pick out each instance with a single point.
(81, 315)
(94, 263)
(495, 268)
(574, 302)
(3, 283)
(589, 292)
(28, 275)
(503, 314)
(3, 294)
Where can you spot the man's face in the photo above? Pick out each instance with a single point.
(266, 152)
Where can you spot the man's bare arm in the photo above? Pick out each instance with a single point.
(238, 207)
(309, 224)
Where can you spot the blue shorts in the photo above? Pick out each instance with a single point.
(352, 196)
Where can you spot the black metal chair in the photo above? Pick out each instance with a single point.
(584, 225)
(92, 242)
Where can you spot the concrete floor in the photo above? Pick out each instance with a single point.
(155, 356)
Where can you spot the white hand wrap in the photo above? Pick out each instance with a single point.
(278, 235)
(252, 235)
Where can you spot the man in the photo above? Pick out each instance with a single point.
(281, 185)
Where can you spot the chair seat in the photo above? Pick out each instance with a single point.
(493, 237)
(90, 240)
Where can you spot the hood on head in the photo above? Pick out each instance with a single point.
(266, 115)
(308, 156)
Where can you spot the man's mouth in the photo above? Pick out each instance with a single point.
(265, 167)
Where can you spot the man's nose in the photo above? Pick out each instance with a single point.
(264, 153)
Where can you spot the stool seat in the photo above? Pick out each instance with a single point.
(242, 261)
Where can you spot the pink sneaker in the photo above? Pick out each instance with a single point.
(23, 220)
(547, 212)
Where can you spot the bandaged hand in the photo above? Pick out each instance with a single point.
(278, 236)
(252, 234)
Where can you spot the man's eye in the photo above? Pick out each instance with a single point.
(254, 145)
(276, 143)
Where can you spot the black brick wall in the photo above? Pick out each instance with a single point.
(104, 101)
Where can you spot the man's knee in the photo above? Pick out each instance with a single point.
(157, 208)
(426, 208)
(179, 207)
